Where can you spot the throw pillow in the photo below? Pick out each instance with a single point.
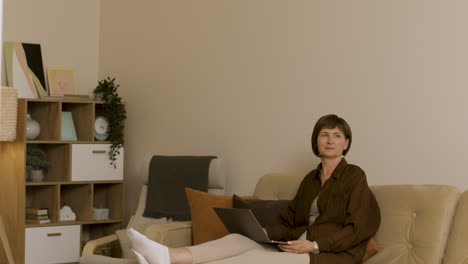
(371, 249)
(206, 225)
(266, 211)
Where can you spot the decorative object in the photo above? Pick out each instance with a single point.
(68, 128)
(8, 113)
(34, 61)
(33, 128)
(61, 81)
(19, 75)
(101, 127)
(115, 113)
(100, 213)
(35, 160)
(36, 175)
(67, 214)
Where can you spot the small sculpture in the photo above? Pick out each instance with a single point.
(66, 214)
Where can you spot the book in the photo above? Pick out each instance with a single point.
(37, 211)
(37, 221)
(35, 217)
(68, 128)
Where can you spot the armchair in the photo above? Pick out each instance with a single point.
(164, 231)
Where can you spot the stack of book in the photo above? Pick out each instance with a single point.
(37, 215)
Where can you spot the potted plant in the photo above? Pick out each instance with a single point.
(36, 163)
(114, 109)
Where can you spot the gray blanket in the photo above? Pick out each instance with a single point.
(168, 176)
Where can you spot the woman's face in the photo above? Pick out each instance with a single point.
(331, 143)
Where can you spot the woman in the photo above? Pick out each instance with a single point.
(330, 220)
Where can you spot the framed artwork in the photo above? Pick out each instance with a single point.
(62, 81)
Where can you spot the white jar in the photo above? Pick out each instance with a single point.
(33, 129)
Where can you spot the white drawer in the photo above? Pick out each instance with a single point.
(90, 162)
(53, 244)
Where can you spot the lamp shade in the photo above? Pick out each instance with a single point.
(8, 113)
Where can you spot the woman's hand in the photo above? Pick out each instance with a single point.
(297, 246)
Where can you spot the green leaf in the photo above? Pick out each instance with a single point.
(115, 112)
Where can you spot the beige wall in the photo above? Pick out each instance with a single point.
(246, 80)
(68, 32)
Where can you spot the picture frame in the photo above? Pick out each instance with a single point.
(62, 81)
(68, 128)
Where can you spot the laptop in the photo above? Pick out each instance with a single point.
(243, 221)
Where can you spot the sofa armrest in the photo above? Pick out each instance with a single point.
(176, 234)
(92, 244)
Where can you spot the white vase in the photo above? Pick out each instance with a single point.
(33, 129)
(36, 175)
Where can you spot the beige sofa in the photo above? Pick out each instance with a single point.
(420, 223)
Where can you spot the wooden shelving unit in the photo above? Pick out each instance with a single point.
(59, 186)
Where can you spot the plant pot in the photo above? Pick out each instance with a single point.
(36, 175)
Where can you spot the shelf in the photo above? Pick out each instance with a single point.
(57, 188)
(78, 198)
(69, 182)
(59, 157)
(44, 197)
(109, 195)
(48, 115)
(83, 119)
(96, 230)
(66, 100)
(66, 142)
(91, 222)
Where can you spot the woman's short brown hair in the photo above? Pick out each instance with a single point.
(330, 121)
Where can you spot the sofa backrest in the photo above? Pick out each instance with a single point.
(277, 186)
(416, 219)
(457, 245)
(415, 223)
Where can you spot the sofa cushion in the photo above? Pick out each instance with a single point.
(266, 211)
(457, 244)
(415, 222)
(206, 225)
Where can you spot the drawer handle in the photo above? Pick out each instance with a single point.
(99, 152)
(54, 234)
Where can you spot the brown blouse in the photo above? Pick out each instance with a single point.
(349, 215)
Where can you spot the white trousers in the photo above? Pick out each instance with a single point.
(238, 249)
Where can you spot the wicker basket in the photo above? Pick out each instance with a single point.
(105, 250)
(8, 113)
